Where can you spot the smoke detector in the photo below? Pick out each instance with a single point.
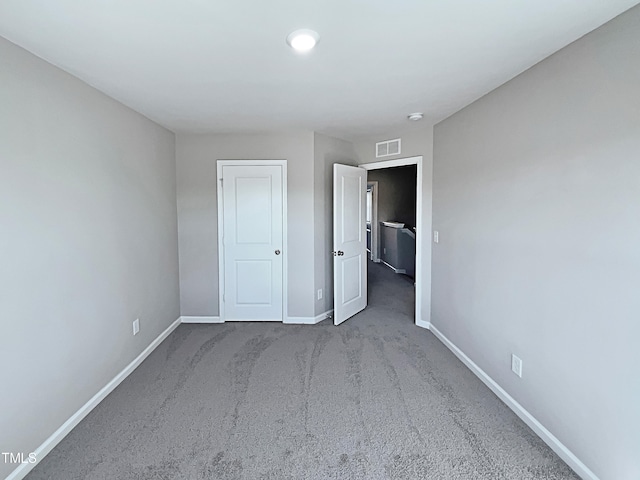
(414, 117)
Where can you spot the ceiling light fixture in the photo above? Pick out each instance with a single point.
(414, 117)
(303, 40)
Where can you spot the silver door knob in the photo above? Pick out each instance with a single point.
(277, 252)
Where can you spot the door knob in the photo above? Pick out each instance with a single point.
(340, 253)
(277, 252)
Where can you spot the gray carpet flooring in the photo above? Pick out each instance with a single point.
(375, 398)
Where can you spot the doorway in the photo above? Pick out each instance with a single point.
(395, 243)
(252, 239)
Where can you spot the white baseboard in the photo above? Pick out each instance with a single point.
(396, 270)
(201, 320)
(423, 324)
(48, 445)
(288, 320)
(548, 438)
(308, 320)
(324, 316)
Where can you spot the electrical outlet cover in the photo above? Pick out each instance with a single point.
(516, 365)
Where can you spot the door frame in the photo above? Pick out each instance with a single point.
(220, 211)
(420, 236)
(375, 254)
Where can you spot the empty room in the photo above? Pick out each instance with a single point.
(320, 240)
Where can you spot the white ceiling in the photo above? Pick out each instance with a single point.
(224, 66)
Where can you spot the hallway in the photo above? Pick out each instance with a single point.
(390, 291)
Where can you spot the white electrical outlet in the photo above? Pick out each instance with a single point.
(516, 365)
(136, 326)
(436, 236)
(319, 294)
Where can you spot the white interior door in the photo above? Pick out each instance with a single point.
(253, 205)
(349, 241)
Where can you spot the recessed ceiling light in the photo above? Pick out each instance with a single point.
(415, 116)
(303, 40)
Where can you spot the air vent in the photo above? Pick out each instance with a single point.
(388, 148)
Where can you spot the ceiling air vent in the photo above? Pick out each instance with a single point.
(388, 148)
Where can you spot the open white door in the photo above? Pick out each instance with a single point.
(349, 242)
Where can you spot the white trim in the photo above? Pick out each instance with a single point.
(186, 319)
(285, 244)
(309, 320)
(220, 243)
(57, 436)
(277, 320)
(395, 270)
(556, 445)
(398, 162)
(300, 320)
(421, 244)
(285, 226)
(422, 324)
(375, 234)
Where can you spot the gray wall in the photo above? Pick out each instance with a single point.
(196, 157)
(417, 139)
(537, 200)
(327, 151)
(396, 194)
(88, 241)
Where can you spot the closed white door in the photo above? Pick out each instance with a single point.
(349, 241)
(252, 208)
